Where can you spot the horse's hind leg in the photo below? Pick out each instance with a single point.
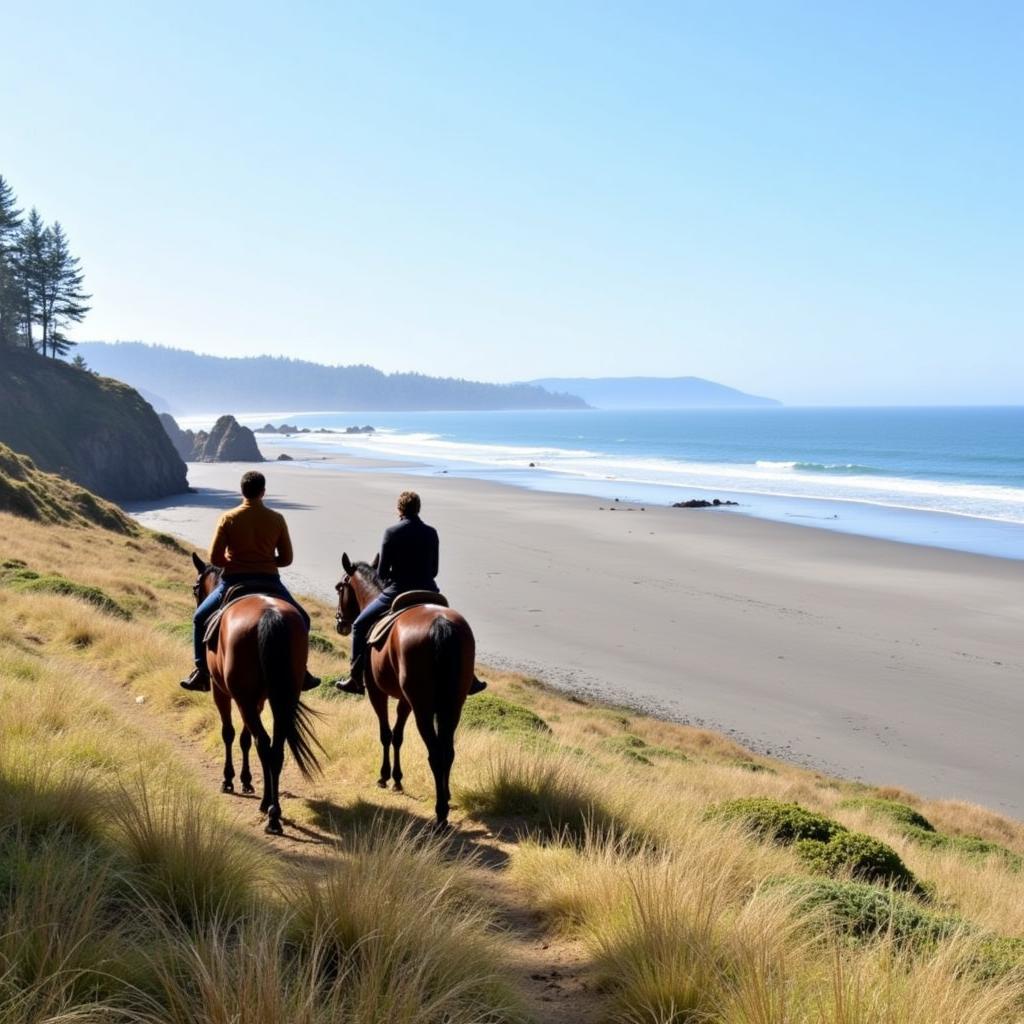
(379, 700)
(265, 752)
(245, 742)
(276, 764)
(227, 732)
(425, 725)
(397, 735)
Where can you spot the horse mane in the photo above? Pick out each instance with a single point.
(368, 574)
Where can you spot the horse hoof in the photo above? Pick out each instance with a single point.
(442, 827)
(398, 787)
(274, 828)
(249, 790)
(382, 783)
(227, 787)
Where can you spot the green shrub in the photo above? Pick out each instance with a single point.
(863, 911)
(970, 846)
(998, 957)
(900, 814)
(628, 746)
(778, 821)
(866, 858)
(486, 711)
(28, 581)
(318, 642)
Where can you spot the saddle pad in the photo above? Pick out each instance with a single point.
(409, 598)
(418, 598)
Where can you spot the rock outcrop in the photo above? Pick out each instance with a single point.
(98, 432)
(228, 441)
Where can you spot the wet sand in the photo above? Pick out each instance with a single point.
(874, 660)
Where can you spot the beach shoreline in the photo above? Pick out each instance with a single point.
(893, 663)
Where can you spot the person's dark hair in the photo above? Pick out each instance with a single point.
(253, 484)
(408, 503)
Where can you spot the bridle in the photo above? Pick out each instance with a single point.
(341, 624)
(197, 587)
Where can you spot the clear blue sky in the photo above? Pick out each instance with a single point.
(823, 202)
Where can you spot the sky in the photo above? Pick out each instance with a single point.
(820, 202)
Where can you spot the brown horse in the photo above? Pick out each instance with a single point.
(260, 658)
(426, 664)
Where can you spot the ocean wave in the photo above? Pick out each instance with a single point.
(790, 479)
(821, 467)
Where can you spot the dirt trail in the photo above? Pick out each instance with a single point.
(553, 974)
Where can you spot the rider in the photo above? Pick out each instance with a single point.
(250, 544)
(408, 561)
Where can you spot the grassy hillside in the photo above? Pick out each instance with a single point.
(28, 492)
(93, 430)
(603, 866)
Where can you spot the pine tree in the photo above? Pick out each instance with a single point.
(31, 270)
(10, 222)
(80, 364)
(65, 299)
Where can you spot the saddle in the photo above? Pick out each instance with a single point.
(233, 595)
(402, 603)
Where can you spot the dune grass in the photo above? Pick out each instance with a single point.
(132, 891)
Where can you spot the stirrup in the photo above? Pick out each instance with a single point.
(310, 682)
(198, 682)
(350, 685)
(477, 686)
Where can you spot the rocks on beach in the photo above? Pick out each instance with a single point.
(287, 429)
(702, 503)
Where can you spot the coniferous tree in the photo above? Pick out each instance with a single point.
(65, 299)
(31, 270)
(10, 301)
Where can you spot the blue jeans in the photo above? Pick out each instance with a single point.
(211, 602)
(376, 609)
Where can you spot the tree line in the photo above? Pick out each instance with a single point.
(41, 282)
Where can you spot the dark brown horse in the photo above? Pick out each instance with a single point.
(426, 664)
(260, 658)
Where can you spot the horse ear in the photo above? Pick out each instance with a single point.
(198, 563)
(346, 564)
(376, 561)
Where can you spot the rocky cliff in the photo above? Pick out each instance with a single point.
(95, 431)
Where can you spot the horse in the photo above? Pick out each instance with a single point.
(260, 658)
(426, 664)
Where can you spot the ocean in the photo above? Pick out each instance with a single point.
(952, 477)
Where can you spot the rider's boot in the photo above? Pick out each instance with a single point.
(199, 681)
(477, 686)
(311, 682)
(354, 683)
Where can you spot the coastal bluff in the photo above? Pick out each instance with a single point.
(98, 432)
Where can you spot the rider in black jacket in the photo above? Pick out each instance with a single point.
(408, 561)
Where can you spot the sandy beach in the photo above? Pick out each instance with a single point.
(879, 661)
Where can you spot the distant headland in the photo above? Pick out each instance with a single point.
(653, 392)
(182, 383)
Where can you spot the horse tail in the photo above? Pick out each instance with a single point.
(447, 644)
(291, 716)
